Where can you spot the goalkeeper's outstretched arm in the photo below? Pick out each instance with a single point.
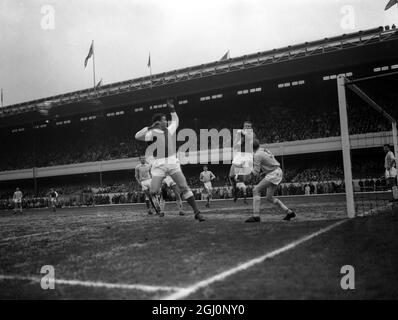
(172, 128)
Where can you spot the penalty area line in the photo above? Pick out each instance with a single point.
(94, 284)
(185, 292)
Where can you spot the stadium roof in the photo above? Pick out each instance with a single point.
(347, 49)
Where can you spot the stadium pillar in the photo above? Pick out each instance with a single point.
(345, 144)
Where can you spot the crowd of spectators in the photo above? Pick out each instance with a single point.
(135, 196)
(326, 173)
(317, 180)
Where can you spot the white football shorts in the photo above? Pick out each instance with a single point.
(169, 181)
(392, 173)
(207, 187)
(243, 163)
(240, 185)
(146, 184)
(275, 177)
(165, 168)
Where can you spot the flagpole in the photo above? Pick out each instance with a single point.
(150, 73)
(2, 97)
(150, 66)
(150, 69)
(93, 66)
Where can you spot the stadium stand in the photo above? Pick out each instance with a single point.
(278, 118)
(283, 107)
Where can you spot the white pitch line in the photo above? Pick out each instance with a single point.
(30, 235)
(184, 292)
(141, 287)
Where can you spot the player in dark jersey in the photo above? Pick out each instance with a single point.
(165, 160)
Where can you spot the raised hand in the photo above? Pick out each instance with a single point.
(170, 104)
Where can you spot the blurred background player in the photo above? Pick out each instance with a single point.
(265, 162)
(143, 176)
(166, 161)
(53, 199)
(390, 170)
(206, 177)
(240, 188)
(168, 183)
(17, 199)
(242, 163)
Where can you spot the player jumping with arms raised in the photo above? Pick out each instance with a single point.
(242, 162)
(166, 161)
(264, 162)
(206, 177)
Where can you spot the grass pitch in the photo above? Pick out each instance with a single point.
(119, 252)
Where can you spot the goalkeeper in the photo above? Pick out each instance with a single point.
(265, 162)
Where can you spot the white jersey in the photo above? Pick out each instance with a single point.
(390, 165)
(243, 141)
(389, 160)
(17, 197)
(167, 152)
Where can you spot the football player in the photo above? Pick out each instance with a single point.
(240, 187)
(206, 177)
(165, 156)
(264, 162)
(53, 199)
(17, 199)
(242, 162)
(143, 176)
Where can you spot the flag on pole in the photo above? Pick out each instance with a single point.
(390, 4)
(149, 60)
(225, 56)
(90, 54)
(150, 67)
(99, 84)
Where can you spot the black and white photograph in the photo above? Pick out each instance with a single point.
(219, 151)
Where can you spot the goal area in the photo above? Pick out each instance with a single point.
(364, 195)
